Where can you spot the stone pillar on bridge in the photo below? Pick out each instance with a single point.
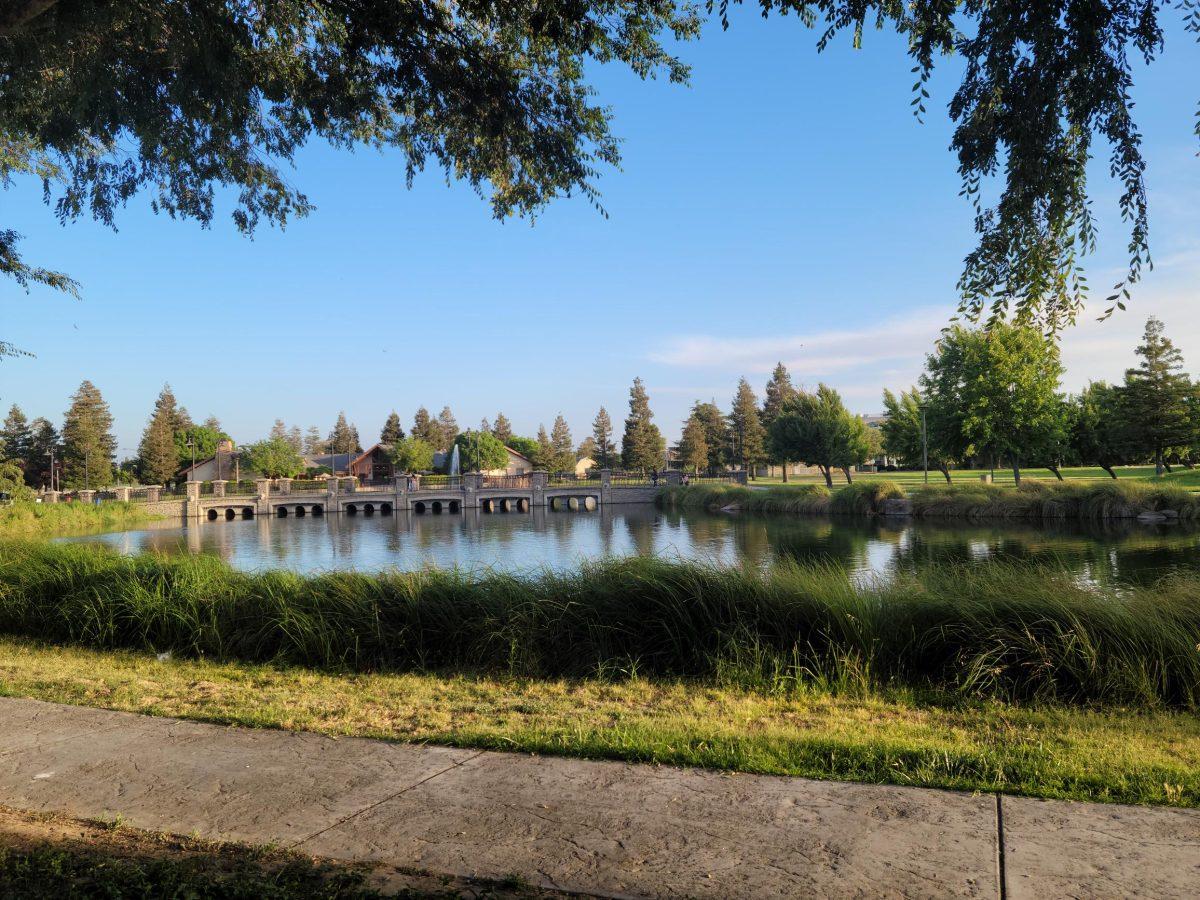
(154, 492)
(605, 487)
(538, 480)
(219, 487)
(331, 495)
(122, 494)
(192, 508)
(87, 496)
(471, 483)
(285, 485)
(401, 488)
(350, 484)
(263, 486)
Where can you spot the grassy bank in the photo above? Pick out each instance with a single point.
(1180, 477)
(997, 630)
(887, 736)
(31, 520)
(1039, 500)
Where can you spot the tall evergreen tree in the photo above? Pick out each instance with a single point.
(448, 428)
(279, 431)
(544, 457)
(295, 439)
(586, 449)
(426, 429)
(15, 436)
(747, 436)
(693, 445)
(392, 429)
(344, 437)
(314, 444)
(43, 440)
(212, 423)
(1155, 396)
(605, 453)
(778, 392)
(642, 444)
(716, 433)
(184, 421)
(158, 460)
(88, 444)
(502, 428)
(562, 446)
(485, 426)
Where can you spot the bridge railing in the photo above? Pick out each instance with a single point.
(241, 489)
(636, 479)
(309, 485)
(570, 479)
(439, 482)
(510, 482)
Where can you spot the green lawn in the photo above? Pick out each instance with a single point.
(883, 736)
(1189, 478)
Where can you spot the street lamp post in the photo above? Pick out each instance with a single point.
(192, 447)
(924, 445)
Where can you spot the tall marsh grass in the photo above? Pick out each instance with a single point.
(996, 630)
(1093, 501)
(24, 520)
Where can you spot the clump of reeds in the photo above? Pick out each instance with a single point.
(27, 519)
(998, 630)
(864, 498)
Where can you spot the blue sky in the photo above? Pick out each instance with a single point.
(784, 206)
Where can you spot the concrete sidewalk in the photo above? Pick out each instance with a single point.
(591, 827)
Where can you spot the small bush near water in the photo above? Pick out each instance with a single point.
(1094, 500)
(995, 630)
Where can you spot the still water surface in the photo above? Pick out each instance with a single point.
(476, 541)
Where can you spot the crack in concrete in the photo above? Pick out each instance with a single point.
(370, 806)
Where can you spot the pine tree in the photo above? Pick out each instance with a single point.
(716, 433)
(502, 429)
(485, 426)
(427, 430)
(586, 449)
(693, 445)
(88, 445)
(279, 431)
(158, 460)
(212, 423)
(602, 432)
(313, 444)
(343, 438)
(747, 435)
(43, 441)
(448, 428)
(642, 445)
(392, 430)
(295, 439)
(183, 420)
(1155, 395)
(562, 446)
(15, 437)
(779, 391)
(544, 457)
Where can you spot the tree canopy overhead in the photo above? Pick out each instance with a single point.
(179, 99)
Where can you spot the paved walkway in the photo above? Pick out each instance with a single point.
(594, 827)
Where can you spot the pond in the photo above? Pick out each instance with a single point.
(474, 540)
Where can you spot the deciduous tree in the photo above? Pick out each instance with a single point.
(481, 451)
(273, 458)
(412, 455)
(817, 429)
(904, 436)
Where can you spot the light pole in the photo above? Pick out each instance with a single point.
(924, 445)
(192, 447)
(85, 469)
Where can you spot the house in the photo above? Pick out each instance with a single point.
(337, 463)
(224, 465)
(374, 464)
(518, 463)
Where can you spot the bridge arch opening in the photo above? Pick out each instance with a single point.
(212, 515)
(589, 503)
(523, 505)
(247, 512)
(505, 505)
(419, 506)
(369, 509)
(489, 506)
(437, 506)
(573, 504)
(318, 510)
(385, 509)
(229, 515)
(352, 509)
(281, 512)
(300, 512)
(455, 506)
